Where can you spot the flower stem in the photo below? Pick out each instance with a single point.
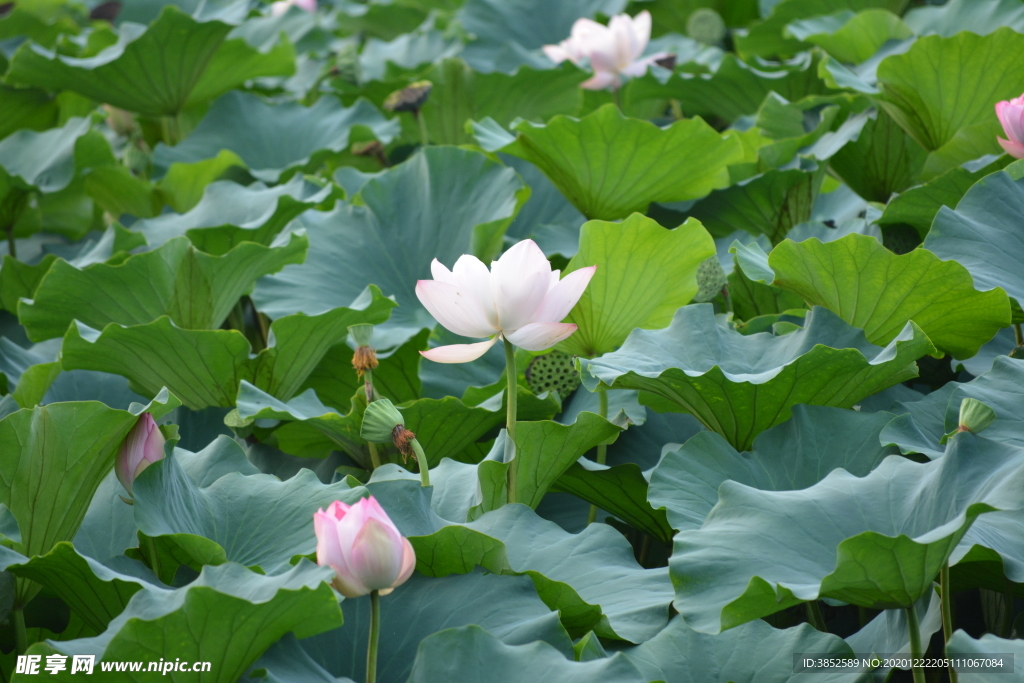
(602, 449)
(915, 644)
(510, 420)
(154, 561)
(421, 458)
(422, 122)
(815, 616)
(1018, 334)
(616, 99)
(371, 648)
(368, 386)
(20, 633)
(12, 245)
(947, 615)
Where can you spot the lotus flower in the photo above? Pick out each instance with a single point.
(143, 446)
(521, 299)
(1011, 115)
(279, 8)
(613, 50)
(363, 547)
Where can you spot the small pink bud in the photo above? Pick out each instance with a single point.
(1011, 116)
(363, 547)
(143, 446)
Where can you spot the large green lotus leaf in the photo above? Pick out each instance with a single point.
(26, 108)
(881, 161)
(441, 203)
(161, 70)
(95, 592)
(25, 374)
(286, 662)
(41, 160)
(272, 139)
(977, 16)
(850, 37)
(204, 367)
(610, 166)
(591, 577)
(990, 555)
(733, 88)
(196, 290)
(469, 654)
(547, 217)
(57, 457)
(984, 235)
(229, 214)
(877, 541)
(768, 204)
(878, 291)
(257, 520)
(769, 38)
(918, 206)
(740, 385)
(750, 653)
(922, 424)
(962, 645)
(227, 617)
(644, 274)
(506, 606)
(958, 124)
(793, 455)
(621, 490)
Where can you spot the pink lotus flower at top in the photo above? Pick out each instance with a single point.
(613, 50)
(363, 547)
(520, 299)
(282, 6)
(1011, 115)
(143, 446)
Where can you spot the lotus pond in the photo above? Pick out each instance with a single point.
(512, 341)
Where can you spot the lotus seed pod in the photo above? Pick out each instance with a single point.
(710, 280)
(379, 421)
(975, 416)
(346, 63)
(410, 98)
(705, 25)
(554, 372)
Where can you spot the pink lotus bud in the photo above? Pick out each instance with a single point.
(520, 299)
(279, 8)
(363, 547)
(143, 446)
(1011, 115)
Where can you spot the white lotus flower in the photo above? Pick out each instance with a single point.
(282, 6)
(613, 50)
(520, 299)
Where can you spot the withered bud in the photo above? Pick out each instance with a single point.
(667, 62)
(369, 148)
(410, 98)
(106, 11)
(120, 121)
(402, 438)
(365, 358)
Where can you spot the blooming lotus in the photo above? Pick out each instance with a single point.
(613, 50)
(1011, 115)
(282, 6)
(143, 446)
(520, 300)
(363, 547)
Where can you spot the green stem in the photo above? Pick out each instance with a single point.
(616, 99)
(170, 129)
(602, 449)
(915, 643)
(371, 648)
(12, 246)
(510, 420)
(947, 614)
(368, 386)
(422, 122)
(154, 561)
(20, 633)
(1018, 334)
(815, 616)
(421, 458)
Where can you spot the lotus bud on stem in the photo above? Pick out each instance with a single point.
(364, 360)
(383, 422)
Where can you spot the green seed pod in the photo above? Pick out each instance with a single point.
(379, 421)
(553, 371)
(705, 25)
(710, 280)
(975, 417)
(346, 63)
